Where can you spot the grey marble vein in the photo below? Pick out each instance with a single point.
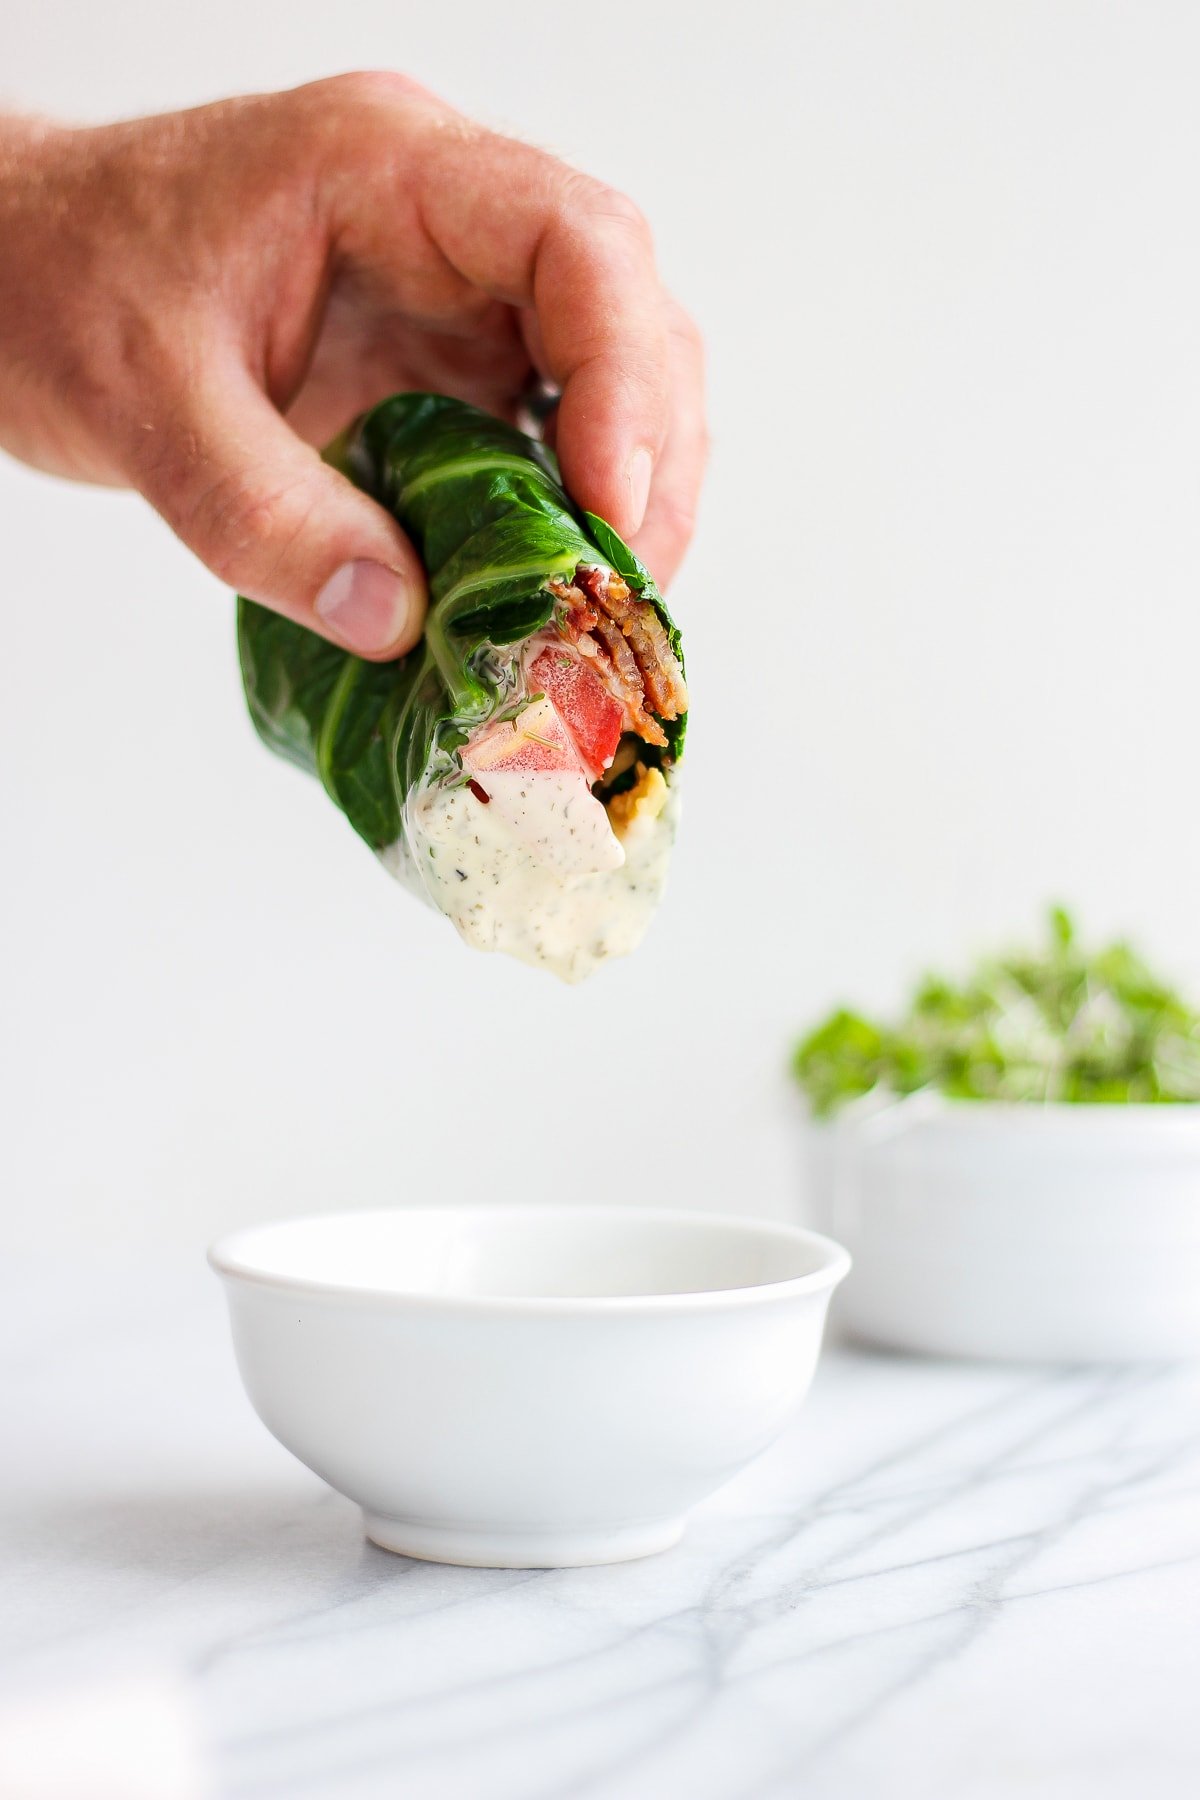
(947, 1581)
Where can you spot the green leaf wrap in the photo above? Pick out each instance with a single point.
(491, 522)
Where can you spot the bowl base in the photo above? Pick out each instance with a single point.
(479, 1547)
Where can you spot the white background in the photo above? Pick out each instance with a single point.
(941, 616)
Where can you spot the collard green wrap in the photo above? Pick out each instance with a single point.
(492, 523)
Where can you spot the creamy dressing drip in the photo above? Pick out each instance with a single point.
(538, 873)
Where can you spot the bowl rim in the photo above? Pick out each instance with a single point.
(927, 1106)
(224, 1260)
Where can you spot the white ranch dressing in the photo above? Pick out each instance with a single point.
(538, 873)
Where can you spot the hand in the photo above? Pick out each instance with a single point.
(188, 304)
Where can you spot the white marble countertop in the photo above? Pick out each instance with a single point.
(947, 1581)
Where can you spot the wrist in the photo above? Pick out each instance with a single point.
(46, 203)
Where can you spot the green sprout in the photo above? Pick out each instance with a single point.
(1054, 1023)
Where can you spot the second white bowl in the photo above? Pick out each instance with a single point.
(1055, 1232)
(526, 1386)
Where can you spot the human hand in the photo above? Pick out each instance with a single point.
(190, 303)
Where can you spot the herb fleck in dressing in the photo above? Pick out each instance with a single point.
(538, 872)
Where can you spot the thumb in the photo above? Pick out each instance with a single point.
(269, 518)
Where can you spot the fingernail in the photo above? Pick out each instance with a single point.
(365, 605)
(639, 471)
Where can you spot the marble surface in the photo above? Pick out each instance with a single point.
(946, 1581)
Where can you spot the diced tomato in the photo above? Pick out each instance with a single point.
(591, 714)
(535, 739)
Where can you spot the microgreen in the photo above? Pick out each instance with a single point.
(1050, 1023)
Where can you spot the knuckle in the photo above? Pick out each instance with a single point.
(584, 196)
(238, 524)
(616, 204)
(353, 91)
(361, 84)
(616, 208)
(348, 122)
(651, 392)
(628, 380)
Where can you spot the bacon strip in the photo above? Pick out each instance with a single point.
(628, 680)
(661, 675)
(660, 671)
(580, 616)
(626, 639)
(620, 655)
(612, 594)
(633, 693)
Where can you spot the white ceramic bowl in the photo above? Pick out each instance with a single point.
(1018, 1232)
(526, 1387)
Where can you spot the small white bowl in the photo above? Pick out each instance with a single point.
(1018, 1232)
(526, 1387)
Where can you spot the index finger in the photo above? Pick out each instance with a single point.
(523, 228)
(671, 515)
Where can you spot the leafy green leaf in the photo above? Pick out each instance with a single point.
(486, 510)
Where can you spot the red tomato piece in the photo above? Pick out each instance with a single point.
(590, 713)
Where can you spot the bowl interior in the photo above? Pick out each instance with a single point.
(527, 1253)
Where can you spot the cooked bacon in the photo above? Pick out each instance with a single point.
(657, 684)
(661, 675)
(649, 729)
(629, 681)
(625, 638)
(620, 655)
(580, 616)
(656, 660)
(604, 589)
